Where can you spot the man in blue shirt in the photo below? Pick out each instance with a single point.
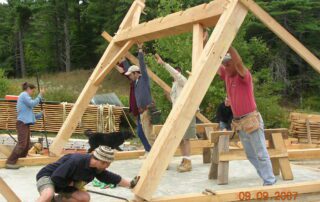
(142, 91)
(68, 176)
(25, 118)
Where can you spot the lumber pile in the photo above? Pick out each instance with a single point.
(101, 118)
(305, 127)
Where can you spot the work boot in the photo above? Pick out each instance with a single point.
(185, 166)
(13, 166)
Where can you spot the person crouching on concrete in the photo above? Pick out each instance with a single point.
(177, 86)
(247, 121)
(68, 176)
(25, 118)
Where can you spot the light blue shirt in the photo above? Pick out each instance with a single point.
(25, 107)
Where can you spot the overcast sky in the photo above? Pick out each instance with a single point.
(3, 1)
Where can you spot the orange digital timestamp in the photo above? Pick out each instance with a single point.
(244, 196)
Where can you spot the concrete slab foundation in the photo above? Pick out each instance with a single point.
(242, 174)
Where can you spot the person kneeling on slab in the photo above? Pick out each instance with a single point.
(68, 176)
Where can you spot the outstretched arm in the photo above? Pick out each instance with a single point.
(241, 69)
(173, 72)
(143, 68)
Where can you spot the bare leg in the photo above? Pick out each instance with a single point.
(46, 195)
(185, 148)
(78, 196)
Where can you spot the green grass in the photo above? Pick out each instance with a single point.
(66, 87)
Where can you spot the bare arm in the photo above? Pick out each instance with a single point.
(124, 183)
(241, 69)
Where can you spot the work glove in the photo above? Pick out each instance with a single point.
(134, 182)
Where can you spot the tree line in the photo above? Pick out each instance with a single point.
(64, 35)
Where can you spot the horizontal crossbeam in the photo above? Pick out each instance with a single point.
(176, 23)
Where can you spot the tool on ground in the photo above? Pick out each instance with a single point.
(14, 139)
(109, 195)
(43, 118)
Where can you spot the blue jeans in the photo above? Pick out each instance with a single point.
(142, 136)
(224, 125)
(255, 147)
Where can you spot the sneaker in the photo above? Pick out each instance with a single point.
(185, 166)
(13, 166)
(144, 156)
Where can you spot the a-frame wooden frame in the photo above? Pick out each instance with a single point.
(227, 17)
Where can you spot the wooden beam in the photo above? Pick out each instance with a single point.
(284, 163)
(200, 128)
(113, 62)
(294, 154)
(255, 192)
(283, 34)
(91, 88)
(197, 43)
(5, 150)
(300, 188)
(239, 154)
(268, 132)
(32, 161)
(190, 98)
(153, 76)
(175, 23)
(7, 192)
(304, 154)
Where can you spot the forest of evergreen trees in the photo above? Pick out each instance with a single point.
(64, 35)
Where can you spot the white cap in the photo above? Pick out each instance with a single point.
(226, 58)
(132, 69)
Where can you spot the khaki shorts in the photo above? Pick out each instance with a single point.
(191, 131)
(44, 183)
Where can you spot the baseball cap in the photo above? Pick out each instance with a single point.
(132, 69)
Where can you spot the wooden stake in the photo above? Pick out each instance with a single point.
(188, 101)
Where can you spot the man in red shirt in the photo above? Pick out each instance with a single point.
(247, 120)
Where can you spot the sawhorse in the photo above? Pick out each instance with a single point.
(221, 155)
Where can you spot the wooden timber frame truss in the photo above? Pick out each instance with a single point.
(226, 16)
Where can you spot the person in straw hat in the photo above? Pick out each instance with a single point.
(68, 176)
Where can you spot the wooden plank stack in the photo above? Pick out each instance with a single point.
(305, 127)
(101, 118)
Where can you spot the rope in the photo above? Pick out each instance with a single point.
(110, 126)
(128, 122)
(100, 122)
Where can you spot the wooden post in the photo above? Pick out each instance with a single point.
(284, 163)
(197, 44)
(274, 161)
(7, 192)
(206, 153)
(110, 57)
(187, 104)
(223, 166)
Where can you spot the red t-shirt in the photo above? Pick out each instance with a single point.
(240, 93)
